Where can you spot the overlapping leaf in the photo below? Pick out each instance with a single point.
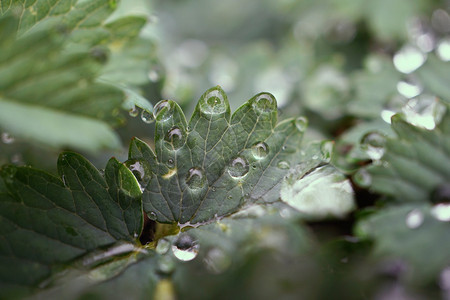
(415, 163)
(213, 164)
(46, 222)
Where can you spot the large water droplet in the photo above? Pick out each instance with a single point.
(140, 170)
(195, 178)
(163, 110)
(283, 165)
(425, 111)
(147, 116)
(217, 261)
(260, 150)
(409, 88)
(414, 219)
(326, 150)
(373, 144)
(238, 168)
(7, 138)
(441, 212)
(363, 178)
(163, 246)
(185, 248)
(409, 59)
(134, 112)
(301, 123)
(175, 137)
(264, 103)
(214, 102)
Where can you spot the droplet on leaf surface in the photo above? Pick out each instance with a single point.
(175, 137)
(301, 123)
(260, 150)
(162, 110)
(195, 178)
(414, 219)
(373, 144)
(185, 248)
(134, 112)
(283, 165)
(147, 117)
(213, 102)
(265, 103)
(238, 168)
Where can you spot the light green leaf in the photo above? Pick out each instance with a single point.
(415, 162)
(413, 234)
(217, 162)
(46, 222)
(434, 75)
(321, 193)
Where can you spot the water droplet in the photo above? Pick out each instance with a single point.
(425, 111)
(363, 178)
(373, 144)
(147, 116)
(140, 170)
(409, 59)
(264, 103)
(134, 112)
(195, 178)
(238, 168)
(326, 149)
(170, 163)
(153, 75)
(185, 247)
(217, 261)
(260, 150)
(301, 123)
(414, 219)
(163, 246)
(166, 264)
(441, 212)
(283, 165)
(443, 50)
(230, 197)
(213, 188)
(152, 215)
(409, 88)
(175, 138)
(7, 138)
(214, 102)
(163, 110)
(444, 279)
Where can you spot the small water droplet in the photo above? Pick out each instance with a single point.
(409, 88)
(166, 264)
(441, 212)
(102, 172)
(152, 215)
(363, 178)
(153, 75)
(163, 246)
(414, 219)
(409, 59)
(230, 197)
(213, 188)
(443, 50)
(170, 163)
(195, 178)
(217, 261)
(373, 144)
(135, 235)
(283, 165)
(301, 123)
(264, 103)
(147, 116)
(185, 248)
(175, 138)
(238, 168)
(260, 150)
(213, 102)
(7, 138)
(163, 110)
(326, 149)
(134, 112)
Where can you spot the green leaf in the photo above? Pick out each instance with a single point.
(434, 75)
(54, 94)
(321, 193)
(411, 233)
(415, 162)
(46, 221)
(217, 162)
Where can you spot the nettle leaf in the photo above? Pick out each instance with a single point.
(46, 221)
(401, 232)
(214, 164)
(414, 164)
